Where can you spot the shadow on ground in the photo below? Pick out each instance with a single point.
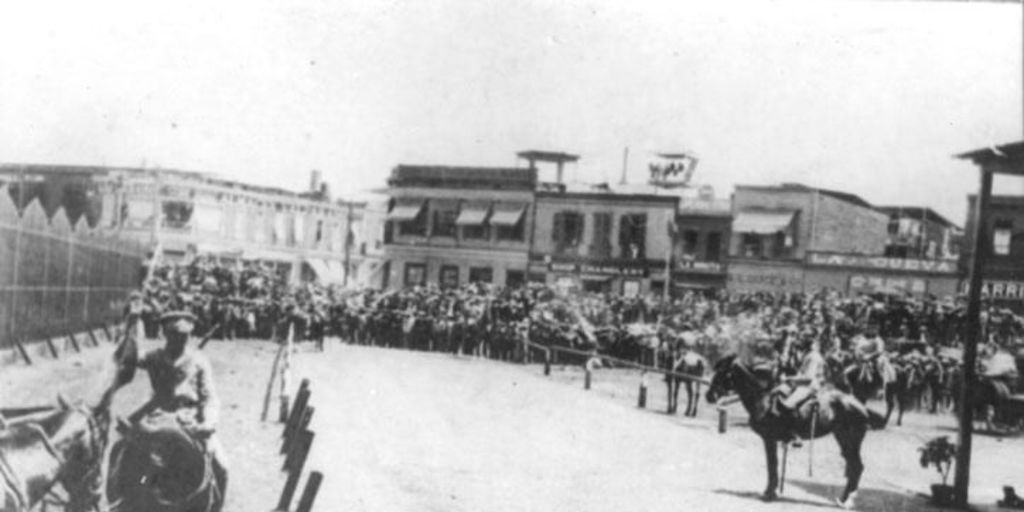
(756, 496)
(867, 499)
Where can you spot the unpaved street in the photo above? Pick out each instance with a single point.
(410, 431)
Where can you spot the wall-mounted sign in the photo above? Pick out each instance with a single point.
(699, 266)
(999, 289)
(758, 278)
(887, 284)
(880, 262)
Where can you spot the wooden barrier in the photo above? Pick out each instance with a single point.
(270, 382)
(301, 424)
(291, 424)
(294, 468)
(309, 492)
(92, 336)
(22, 351)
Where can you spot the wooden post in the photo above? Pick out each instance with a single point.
(586, 376)
(92, 336)
(641, 400)
(270, 383)
(285, 373)
(547, 362)
(723, 420)
(309, 492)
(106, 331)
(53, 348)
(297, 455)
(298, 426)
(301, 400)
(972, 335)
(74, 342)
(22, 351)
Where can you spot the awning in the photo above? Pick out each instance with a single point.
(319, 268)
(406, 210)
(473, 215)
(336, 271)
(508, 215)
(762, 223)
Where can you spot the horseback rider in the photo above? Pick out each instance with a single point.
(182, 381)
(809, 378)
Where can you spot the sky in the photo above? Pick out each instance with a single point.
(872, 98)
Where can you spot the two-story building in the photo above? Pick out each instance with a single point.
(1003, 271)
(701, 242)
(775, 227)
(602, 238)
(920, 233)
(182, 213)
(453, 225)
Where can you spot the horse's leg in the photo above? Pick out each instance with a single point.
(850, 441)
(889, 392)
(772, 462)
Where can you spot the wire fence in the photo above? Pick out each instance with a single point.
(55, 277)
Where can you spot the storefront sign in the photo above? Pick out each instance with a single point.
(700, 266)
(880, 262)
(784, 279)
(598, 269)
(999, 289)
(887, 284)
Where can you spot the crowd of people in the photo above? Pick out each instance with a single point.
(253, 300)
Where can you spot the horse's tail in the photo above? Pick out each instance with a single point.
(876, 421)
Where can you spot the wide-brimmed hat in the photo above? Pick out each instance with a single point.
(178, 321)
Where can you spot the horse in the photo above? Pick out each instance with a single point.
(690, 363)
(158, 466)
(830, 412)
(60, 445)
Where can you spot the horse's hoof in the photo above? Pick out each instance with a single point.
(769, 496)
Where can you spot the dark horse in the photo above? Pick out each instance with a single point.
(57, 446)
(689, 363)
(831, 412)
(158, 466)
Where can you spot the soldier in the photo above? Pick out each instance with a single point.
(182, 381)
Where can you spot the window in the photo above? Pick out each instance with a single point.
(567, 232)
(714, 246)
(177, 214)
(781, 245)
(417, 226)
(449, 276)
(480, 274)
(514, 279)
(690, 242)
(512, 233)
(1002, 234)
(751, 246)
(602, 246)
(389, 232)
(476, 232)
(415, 274)
(894, 225)
(444, 223)
(319, 236)
(633, 235)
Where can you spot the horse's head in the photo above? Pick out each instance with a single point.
(723, 379)
(76, 437)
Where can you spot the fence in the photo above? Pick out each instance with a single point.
(56, 278)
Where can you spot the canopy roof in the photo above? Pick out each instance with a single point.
(763, 223)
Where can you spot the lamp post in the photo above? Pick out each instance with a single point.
(1006, 159)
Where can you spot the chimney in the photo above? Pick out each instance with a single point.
(315, 178)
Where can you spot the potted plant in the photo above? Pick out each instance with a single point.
(939, 452)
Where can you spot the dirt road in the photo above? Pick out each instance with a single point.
(409, 431)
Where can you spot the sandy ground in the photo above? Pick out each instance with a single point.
(409, 431)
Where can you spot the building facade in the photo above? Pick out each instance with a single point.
(601, 238)
(182, 213)
(920, 233)
(1003, 271)
(701, 243)
(453, 225)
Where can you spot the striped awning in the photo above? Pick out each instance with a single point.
(762, 223)
(406, 210)
(473, 215)
(507, 215)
